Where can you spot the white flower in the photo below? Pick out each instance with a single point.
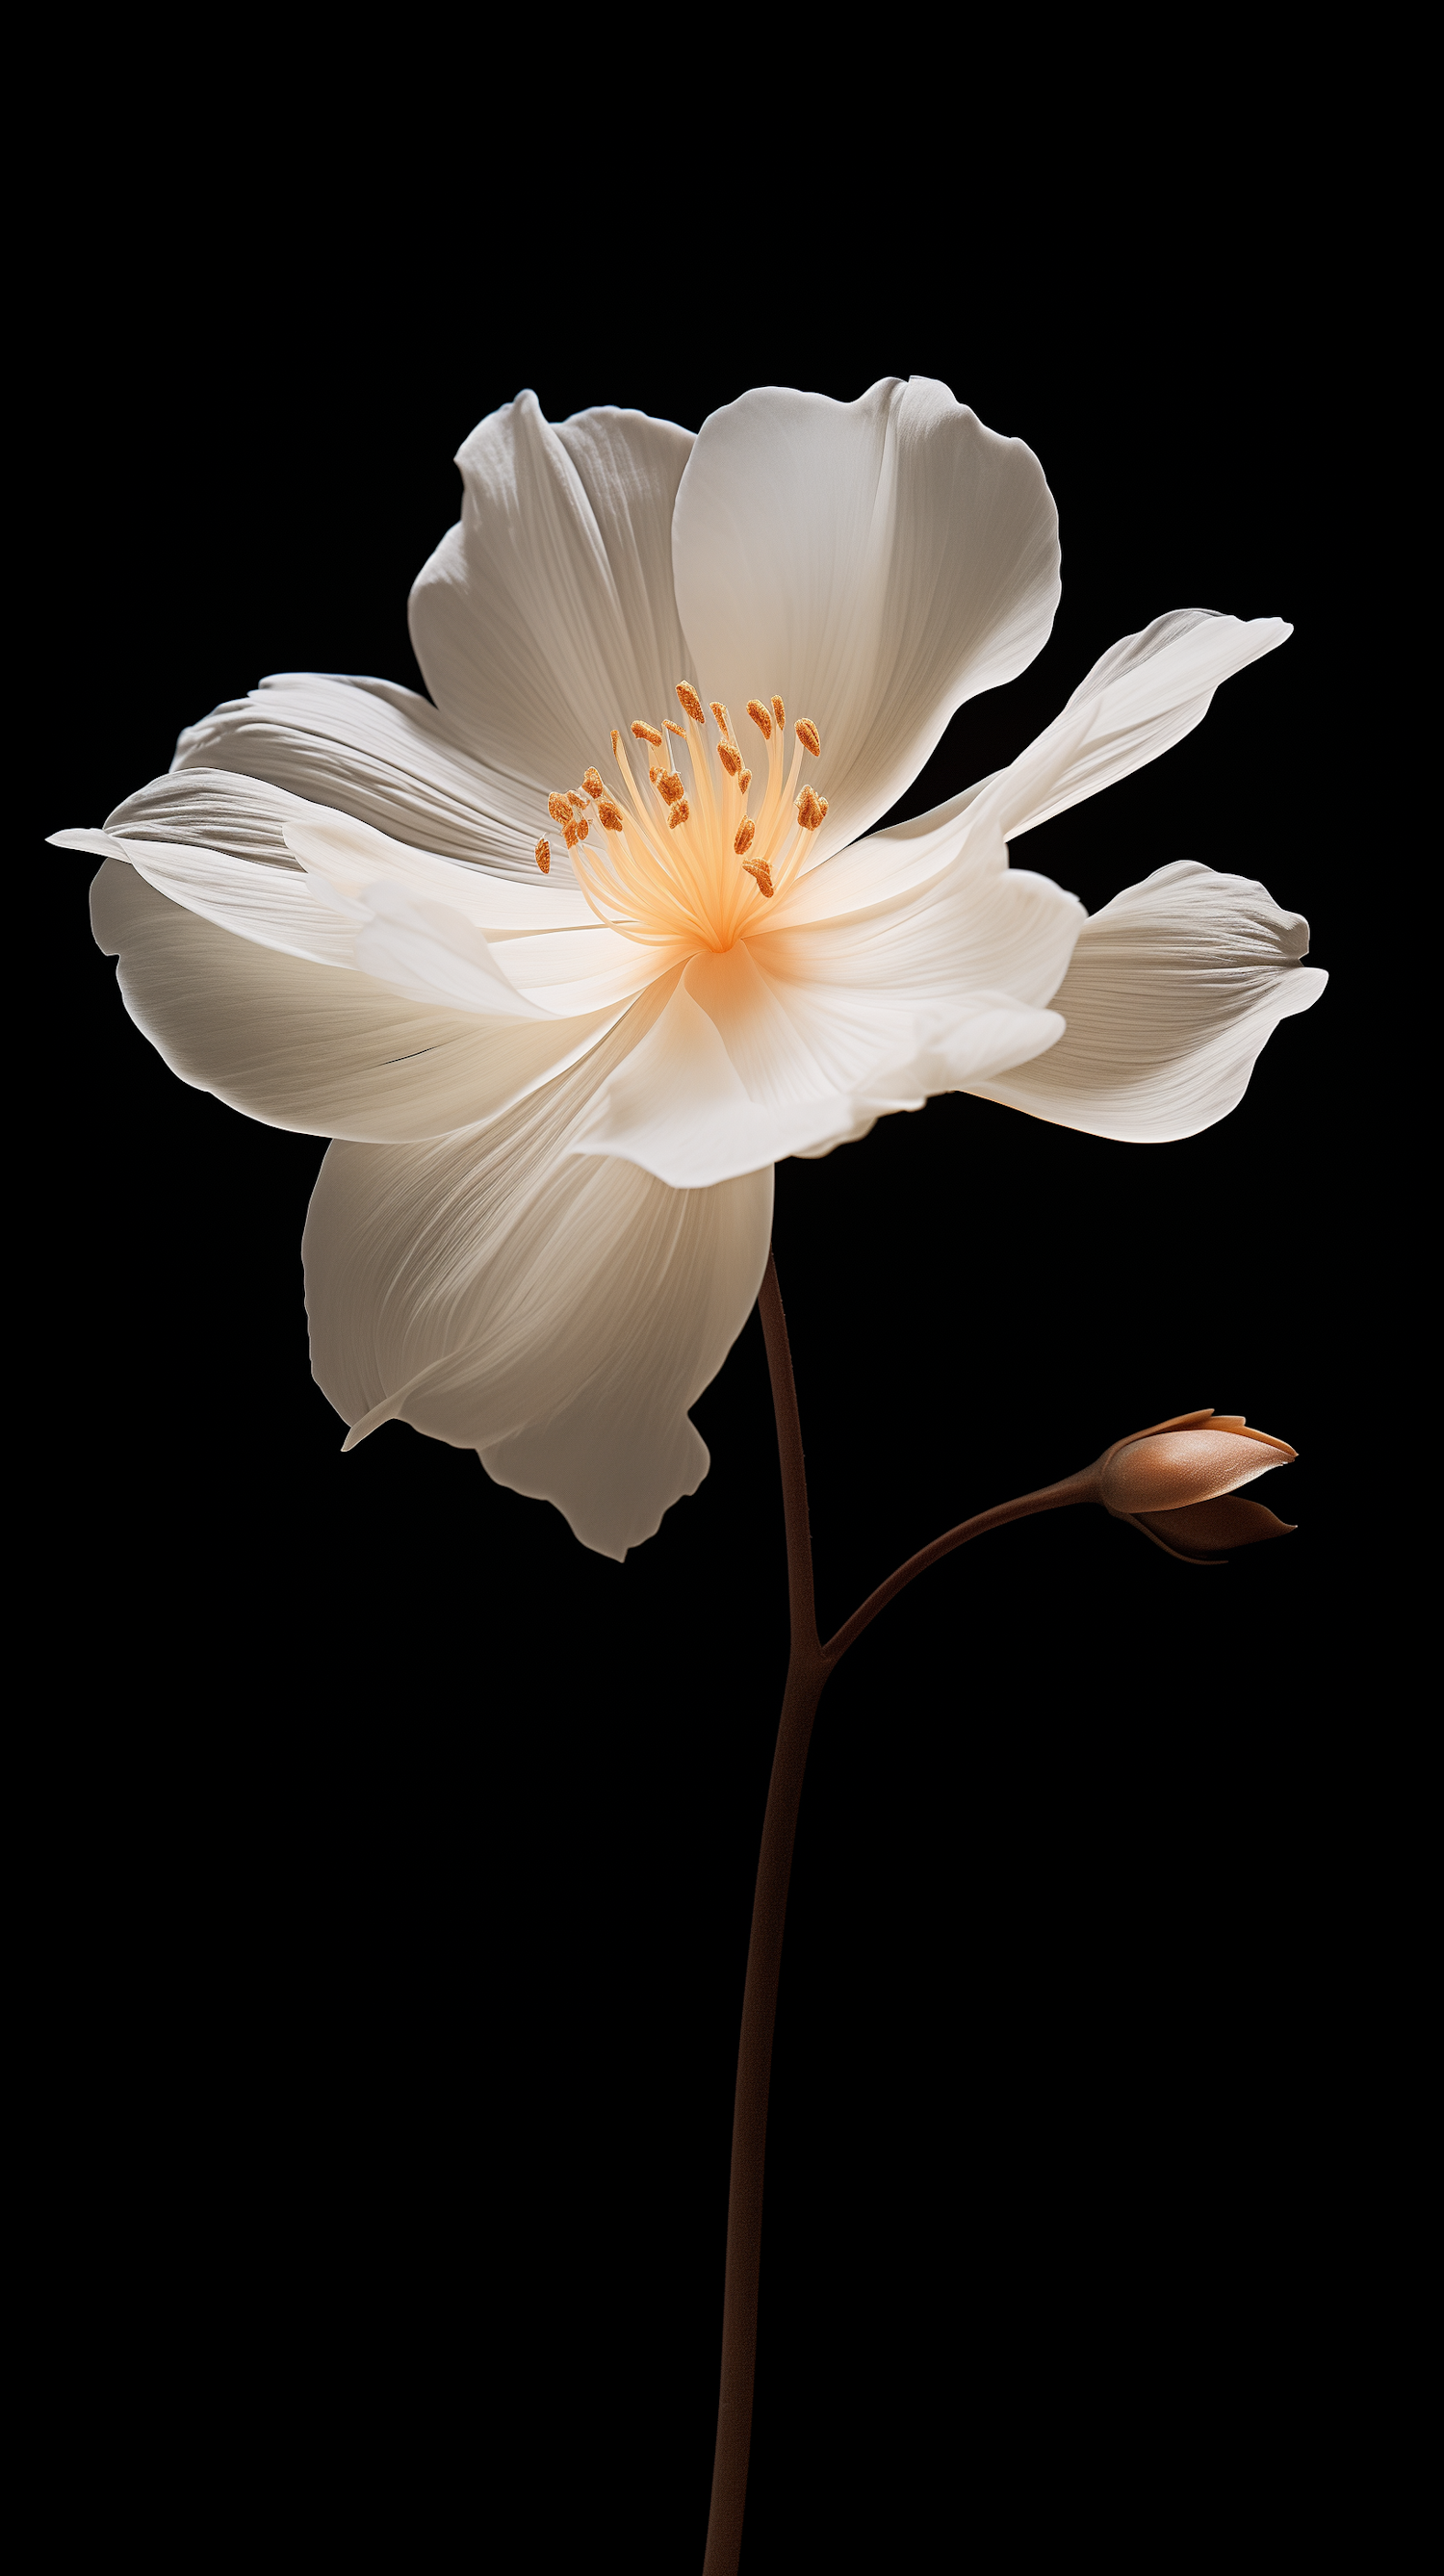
(558, 1099)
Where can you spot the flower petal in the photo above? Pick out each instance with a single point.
(742, 1068)
(1010, 931)
(351, 855)
(1172, 994)
(364, 747)
(547, 938)
(547, 616)
(876, 562)
(1167, 1471)
(398, 932)
(894, 866)
(211, 809)
(345, 895)
(558, 1313)
(310, 1045)
(1141, 698)
(1209, 1530)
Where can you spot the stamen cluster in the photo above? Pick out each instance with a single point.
(678, 865)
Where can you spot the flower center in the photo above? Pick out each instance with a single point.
(673, 862)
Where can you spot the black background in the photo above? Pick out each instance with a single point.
(392, 1855)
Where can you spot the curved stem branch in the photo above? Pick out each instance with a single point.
(1048, 1498)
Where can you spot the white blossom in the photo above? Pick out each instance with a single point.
(557, 1099)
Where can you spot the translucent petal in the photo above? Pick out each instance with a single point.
(556, 1312)
(547, 615)
(305, 1044)
(876, 563)
(1173, 991)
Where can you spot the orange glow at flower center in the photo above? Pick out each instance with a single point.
(678, 860)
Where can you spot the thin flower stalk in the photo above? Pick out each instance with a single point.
(1180, 1468)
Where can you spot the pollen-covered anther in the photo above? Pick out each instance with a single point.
(571, 835)
(808, 735)
(679, 730)
(760, 718)
(690, 704)
(592, 781)
(647, 733)
(746, 835)
(576, 800)
(810, 809)
(654, 773)
(669, 787)
(610, 816)
(559, 810)
(780, 712)
(583, 828)
(730, 757)
(744, 782)
(679, 814)
(759, 869)
(544, 857)
(723, 718)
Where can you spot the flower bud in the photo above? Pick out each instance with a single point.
(1178, 1483)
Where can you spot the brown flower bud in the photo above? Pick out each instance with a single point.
(1178, 1484)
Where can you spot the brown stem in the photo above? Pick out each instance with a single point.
(1082, 1488)
(808, 1667)
(806, 1673)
